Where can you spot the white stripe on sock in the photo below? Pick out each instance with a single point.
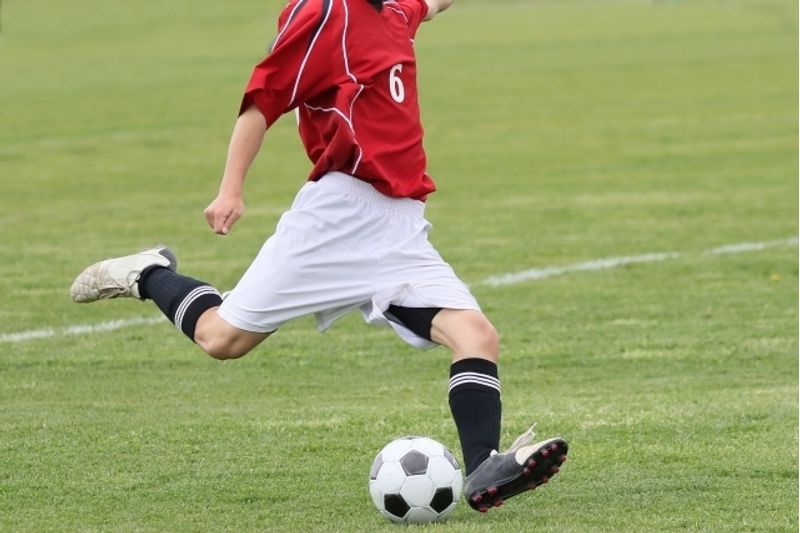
(475, 375)
(190, 298)
(487, 382)
(476, 378)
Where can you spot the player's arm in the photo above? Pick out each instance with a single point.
(437, 6)
(246, 139)
(296, 69)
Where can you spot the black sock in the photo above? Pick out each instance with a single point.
(475, 405)
(181, 298)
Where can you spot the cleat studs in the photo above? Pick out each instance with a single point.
(492, 491)
(554, 470)
(483, 509)
(562, 459)
(526, 471)
(545, 453)
(531, 463)
(532, 485)
(498, 503)
(545, 479)
(554, 447)
(476, 498)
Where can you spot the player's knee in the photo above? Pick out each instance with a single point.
(223, 341)
(478, 338)
(486, 338)
(468, 333)
(220, 343)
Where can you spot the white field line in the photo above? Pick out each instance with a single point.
(614, 262)
(495, 281)
(79, 329)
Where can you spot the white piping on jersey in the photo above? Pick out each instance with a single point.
(308, 53)
(352, 77)
(288, 21)
(396, 10)
(344, 47)
(402, 14)
(360, 151)
(331, 110)
(348, 118)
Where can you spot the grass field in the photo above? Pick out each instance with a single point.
(558, 132)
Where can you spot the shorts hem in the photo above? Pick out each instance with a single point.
(243, 325)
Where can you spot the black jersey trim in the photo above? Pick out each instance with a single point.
(292, 16)
(326, 7)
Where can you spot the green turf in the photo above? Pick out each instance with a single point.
(558, 132)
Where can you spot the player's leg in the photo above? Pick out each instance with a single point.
(468, 334)
(474, 396)
(221, 340)
(192, 306)
(427, 304)
(188, 303)
(474, 392)
(299, 271)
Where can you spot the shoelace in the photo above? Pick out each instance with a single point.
(523, 440)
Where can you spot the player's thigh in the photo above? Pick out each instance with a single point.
(467, 332)
(221, 340)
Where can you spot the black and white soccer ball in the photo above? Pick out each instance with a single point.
(415, 480)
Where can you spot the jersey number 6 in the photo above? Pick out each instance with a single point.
(396, 87)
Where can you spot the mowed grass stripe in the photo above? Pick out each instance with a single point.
(500, 279)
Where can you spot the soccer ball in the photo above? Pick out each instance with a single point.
(414, 480)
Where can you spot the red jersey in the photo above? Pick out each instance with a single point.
(350, 72)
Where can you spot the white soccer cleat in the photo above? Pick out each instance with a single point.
(118, 277)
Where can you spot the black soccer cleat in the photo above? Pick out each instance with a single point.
(521, 468)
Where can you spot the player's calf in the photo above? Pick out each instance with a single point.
(190, 304)
(223, 341)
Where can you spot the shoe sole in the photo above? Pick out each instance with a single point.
(535, 470)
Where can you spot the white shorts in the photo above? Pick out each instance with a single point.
(344, 246)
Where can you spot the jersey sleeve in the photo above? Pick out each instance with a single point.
(297, 67)
(414, 12)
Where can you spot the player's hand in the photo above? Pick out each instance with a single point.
(223, 212)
